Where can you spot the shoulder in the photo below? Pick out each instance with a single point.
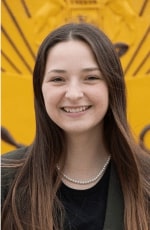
(11, 163)
(16, 154)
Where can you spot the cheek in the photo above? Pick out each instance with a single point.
(50, 106)
(48, 99)
(51, 98)
(47, 93)
(101, 96)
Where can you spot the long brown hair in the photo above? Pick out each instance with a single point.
(33, 202)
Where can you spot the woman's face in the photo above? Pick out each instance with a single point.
(75, 94)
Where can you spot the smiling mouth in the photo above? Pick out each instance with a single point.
(75, 110)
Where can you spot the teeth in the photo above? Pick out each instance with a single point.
(75, 110)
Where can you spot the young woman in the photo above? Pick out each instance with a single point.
(84, 169)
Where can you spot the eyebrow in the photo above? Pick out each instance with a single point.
(83, 70)
(57, 71)
(90, 69)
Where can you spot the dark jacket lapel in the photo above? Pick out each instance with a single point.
(114, 219)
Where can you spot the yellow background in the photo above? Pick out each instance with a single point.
(26, 23)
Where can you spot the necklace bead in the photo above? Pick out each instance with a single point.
(83, 182)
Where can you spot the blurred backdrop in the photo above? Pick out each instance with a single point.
(25, 23)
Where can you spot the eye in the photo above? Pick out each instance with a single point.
(93, 77)
(57, 79)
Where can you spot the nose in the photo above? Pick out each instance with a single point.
(74, 92)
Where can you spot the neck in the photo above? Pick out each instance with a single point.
(86, 155)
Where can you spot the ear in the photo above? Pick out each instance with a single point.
(121, 48)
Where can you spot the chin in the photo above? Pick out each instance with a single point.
(77, 131)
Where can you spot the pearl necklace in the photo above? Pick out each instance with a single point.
(83, 182)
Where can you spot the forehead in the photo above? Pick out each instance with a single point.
(69, 45)
(70, 51)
